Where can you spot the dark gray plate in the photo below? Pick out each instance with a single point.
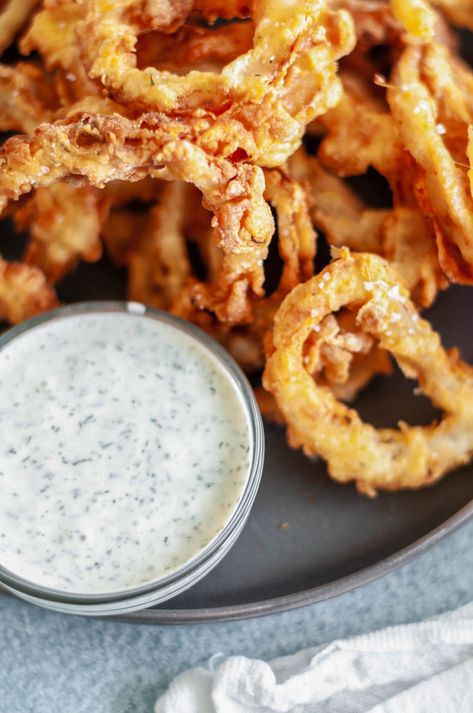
(335, 539)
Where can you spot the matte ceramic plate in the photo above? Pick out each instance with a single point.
(307, 537)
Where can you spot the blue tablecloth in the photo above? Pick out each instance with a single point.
(52, 663)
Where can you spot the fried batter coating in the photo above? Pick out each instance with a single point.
(409, 245)
(52, 33)
(26, 98)
(268, 406)
(287, 79)
(24, 292)
(401, 234)
(350, 145)
(432, 120)
(158, 263)
(297, 241)
(64, 224)
(374, 21)
(161, 273)
(194, 47)
(388, 459)
(118, 194)
(120, 232)
(103, 148)
(417, 17)
(339, 355)
(459, 12)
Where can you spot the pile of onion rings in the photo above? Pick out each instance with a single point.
(205, 147)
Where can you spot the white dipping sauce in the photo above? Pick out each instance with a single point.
(125, 449)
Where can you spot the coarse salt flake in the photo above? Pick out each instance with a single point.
(395, 294)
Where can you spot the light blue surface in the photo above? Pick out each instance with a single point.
(52, 663)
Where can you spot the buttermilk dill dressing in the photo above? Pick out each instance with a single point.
(125, 449)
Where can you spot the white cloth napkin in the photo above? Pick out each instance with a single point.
(416, 668)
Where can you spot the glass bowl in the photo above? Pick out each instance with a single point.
(192, 571)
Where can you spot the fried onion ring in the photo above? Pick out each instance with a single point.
(64, 225)
(287, 79)
(13, 15)
(417, 17)
(350, 146)
(26, 98)
(158, 263)
(52, 33)
(24, 292)
(435, 131)
(161, 273)
(194, 47)
(120, 232)
(105, 148)
(401, 234)
(459, 12)
(388, 459)
(340, 356)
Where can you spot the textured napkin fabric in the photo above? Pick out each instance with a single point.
(417, 668)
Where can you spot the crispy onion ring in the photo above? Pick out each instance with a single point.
(64, 225)
(386, 458)
(417, 17)
(374, 21)
(120, 232)
(161, 273)
(52, 33)
(158, 262)
(351, 146)
(459, 12)
(104, 148)
(194, 47)
(339, 355)
(288, 77)
(400, 234)
(433, 126)
(13, 15)
(296, 243)
(26, 98)
(24, 292)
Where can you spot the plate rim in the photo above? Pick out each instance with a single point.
(307, 597)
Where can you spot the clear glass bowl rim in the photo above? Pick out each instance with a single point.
(208, 556)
